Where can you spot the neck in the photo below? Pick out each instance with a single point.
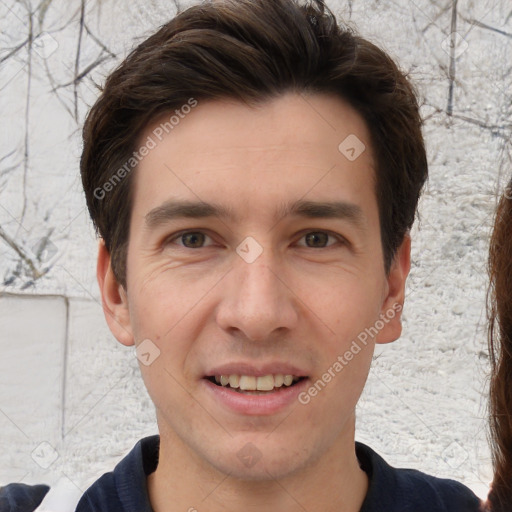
(184, 481)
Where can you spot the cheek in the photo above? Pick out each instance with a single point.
(170, 312)
(161, 298)
(341, 381)
(347, 306)
(347, 348)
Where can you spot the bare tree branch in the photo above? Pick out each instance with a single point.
(14, 51)
(453, 44)
(488, 27)
(26, 152)
(433, 21)
(77, 57)
(36, 274)
(98, 42)
(82, 74)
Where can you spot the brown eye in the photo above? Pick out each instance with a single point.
(193, 239)
(317, 239)
(189, 240)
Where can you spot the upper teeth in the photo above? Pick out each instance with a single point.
(251, 383)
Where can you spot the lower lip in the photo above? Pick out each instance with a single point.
(254, 405)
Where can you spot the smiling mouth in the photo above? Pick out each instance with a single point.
(251, 385)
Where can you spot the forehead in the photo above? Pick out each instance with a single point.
(258, 158)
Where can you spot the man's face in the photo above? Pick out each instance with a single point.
(255, 250)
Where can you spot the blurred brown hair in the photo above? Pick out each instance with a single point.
(500, 348)
(252, 51)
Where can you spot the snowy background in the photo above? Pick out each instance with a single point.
(72, 402)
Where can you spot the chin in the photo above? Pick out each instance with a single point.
(251, 464)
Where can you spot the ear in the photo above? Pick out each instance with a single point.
(392, 306)
(114, 298)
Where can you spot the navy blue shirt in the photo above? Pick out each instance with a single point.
(125, 489)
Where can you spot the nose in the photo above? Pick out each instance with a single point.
(257, 301)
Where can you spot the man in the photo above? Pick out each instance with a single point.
(253, 170)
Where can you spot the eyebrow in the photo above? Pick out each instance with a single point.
(174, 209)
(325, 210)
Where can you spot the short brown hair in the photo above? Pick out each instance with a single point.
(252, 51)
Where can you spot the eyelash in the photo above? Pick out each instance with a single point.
(339, 238)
